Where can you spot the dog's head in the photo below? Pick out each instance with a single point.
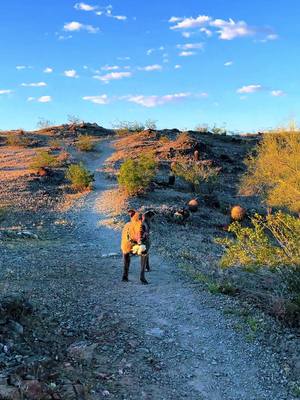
(137, 216)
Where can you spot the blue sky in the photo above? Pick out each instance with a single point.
(231, 63)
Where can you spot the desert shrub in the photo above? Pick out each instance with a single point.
(274, 170)
(128, 126)
(80, 177)
(44, 159)
(196, 172)
(18, 140)
(164, 139)
(150, 124)
(218, 130)
(62, 158)
(202, 128)
(85, 143)
(55, 144)
(136, 175)
(271, 241)
(122, 132)
(74, 119)
(183, 137)
(44, 123)
(3, 212)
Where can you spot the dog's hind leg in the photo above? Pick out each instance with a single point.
(143, 268)
(147, 263)
(126, 258)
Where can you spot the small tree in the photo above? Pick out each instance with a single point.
(85, 143)
(150, 124)
(44, 159)
(80, 177)
(272, 241)
(196, 172)
(136, 175)
(274, 170)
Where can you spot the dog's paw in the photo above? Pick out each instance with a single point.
(125, 279)
(144, 281)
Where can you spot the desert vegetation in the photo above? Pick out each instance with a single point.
(136, 175)
(79, 177)
(85, 143)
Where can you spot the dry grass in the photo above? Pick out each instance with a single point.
(15, 163)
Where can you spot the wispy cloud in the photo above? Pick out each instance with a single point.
(226, 30)
(148, 68)
(70, 73)
(101, 99)
(249, 89)
(5, 91)
(228, 63)
(75, 26)
(85, 7)
(190, 46)
(48, 70)
(110, 67)
(113, 76)
(34, 84)
(154, 101)
(177, 66)
(277, 93)
(21, 67)
(44, 99)
(188, 23)
(187, 53)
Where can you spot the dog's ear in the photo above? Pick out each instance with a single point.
(131, 212)
(149, 215)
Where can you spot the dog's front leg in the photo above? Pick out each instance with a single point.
(126, 258)
(143, 268)
(147, 263)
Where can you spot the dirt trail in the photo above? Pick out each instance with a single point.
(166, 340)
(186, 347)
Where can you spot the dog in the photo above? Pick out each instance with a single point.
(136, 240)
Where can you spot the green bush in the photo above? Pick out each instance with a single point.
(80, 177)
(18, 141)
(272, 241)
(136, 175)
(44, 159)
(274, 170)
(85, 143)
(195, 172)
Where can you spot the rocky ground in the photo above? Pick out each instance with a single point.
(70, 329)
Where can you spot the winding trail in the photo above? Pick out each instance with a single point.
(174, 341)
(168, 340)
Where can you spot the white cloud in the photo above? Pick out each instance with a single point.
(154, 67)
(249, 89)
(85, 7)
(177, 66)
(101, 99)
(228, 63)
(187, 53)
(71, 73)
(5, 91)
(75, 26)
(277, 93)
(229, 30)
(112, 76)
(110, 67)
(48, 70)
(44, 99)
(34, 84)
(188, 23)
(150, 51)
(206, 31)
(30, 98)
(154, 101)
(20, 67)
(186, 35)
(120, 17)
(124, 58)
(190, 46)
(175, 19)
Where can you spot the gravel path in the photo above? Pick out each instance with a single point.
(166, 340)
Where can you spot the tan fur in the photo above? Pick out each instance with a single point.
(131, 232)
